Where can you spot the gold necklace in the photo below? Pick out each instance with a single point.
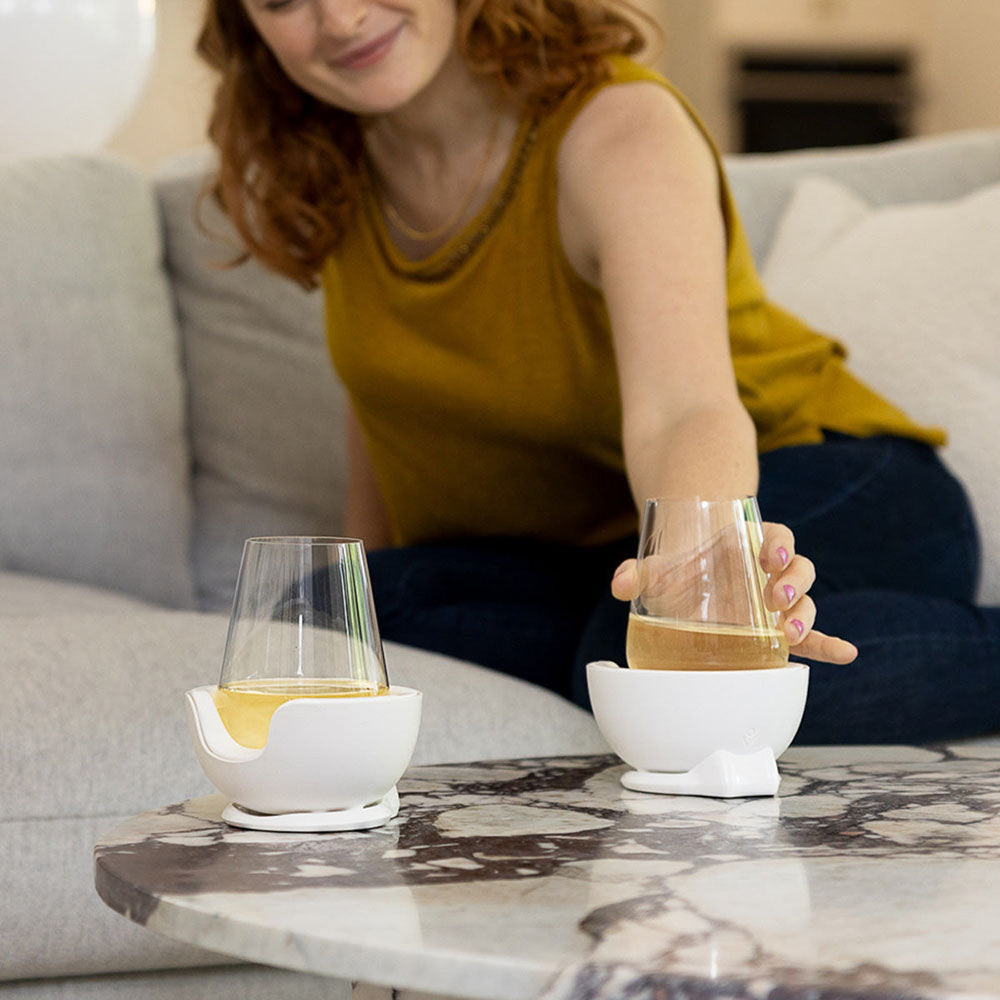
(427, 235)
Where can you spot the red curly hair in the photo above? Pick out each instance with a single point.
(289, 164)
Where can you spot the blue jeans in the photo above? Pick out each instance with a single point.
(896, 551)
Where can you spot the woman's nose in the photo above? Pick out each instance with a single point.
(341, 18)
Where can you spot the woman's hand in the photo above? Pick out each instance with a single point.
(789, 578)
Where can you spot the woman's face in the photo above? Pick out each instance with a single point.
(364, 56)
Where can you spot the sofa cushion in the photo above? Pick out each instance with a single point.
(23, 594)
(914, 292)
(266, 409)
(52, 922)
(95, 484)
(248, 982)
(114, 739)
(909, 170)
(94, 730)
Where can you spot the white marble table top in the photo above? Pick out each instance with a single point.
(874, 873)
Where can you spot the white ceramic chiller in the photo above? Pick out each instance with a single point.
(686, 732)
(680, 716)
(303, 636)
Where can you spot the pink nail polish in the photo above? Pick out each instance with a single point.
(789, 592)
(783, 555)
(799, 627)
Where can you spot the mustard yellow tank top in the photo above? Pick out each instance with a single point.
(484, 380)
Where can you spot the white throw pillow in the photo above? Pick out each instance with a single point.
(913, 291)
(94, 465)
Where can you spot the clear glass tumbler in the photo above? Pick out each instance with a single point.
(701, 603)
(303, 625)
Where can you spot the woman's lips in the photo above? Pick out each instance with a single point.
(369, 53)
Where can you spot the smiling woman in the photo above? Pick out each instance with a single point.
(544, 309)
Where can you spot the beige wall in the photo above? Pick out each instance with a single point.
(172, 113)
(961, 81)
(956, 42)
(963, 71)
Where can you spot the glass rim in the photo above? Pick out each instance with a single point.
(696, 498)
(303, 540)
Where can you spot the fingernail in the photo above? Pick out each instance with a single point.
(783, 555)
(618, 572)
(789, 593)
(799, 627)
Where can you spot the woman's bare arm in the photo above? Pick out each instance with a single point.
(640, 218)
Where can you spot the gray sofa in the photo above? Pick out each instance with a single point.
(157, 408)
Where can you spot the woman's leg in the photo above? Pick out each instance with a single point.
(879, 512)
(514, 605)
(896, 552)
(928, 670)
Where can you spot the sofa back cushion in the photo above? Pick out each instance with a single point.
(914, 292)
(265, 408)
(913, 170)
(95, 483)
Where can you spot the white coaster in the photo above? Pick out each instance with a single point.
(721, 775)
(359, 818)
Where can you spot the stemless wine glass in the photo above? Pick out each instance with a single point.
(303, 626)
(701, 604)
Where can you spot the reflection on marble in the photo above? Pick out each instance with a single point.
(875, 872)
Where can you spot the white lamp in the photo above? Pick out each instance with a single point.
(70, 71)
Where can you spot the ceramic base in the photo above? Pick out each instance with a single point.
(722, 775)
(361, 818)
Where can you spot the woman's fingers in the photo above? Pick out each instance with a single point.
(625, 584)
(798, 620)
(804, 640)
(790, 577)
(820, 646)
(777, 549)
(791, 585)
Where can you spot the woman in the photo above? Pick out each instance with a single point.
(544, 309)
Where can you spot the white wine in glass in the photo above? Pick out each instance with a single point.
(303, 626)
(701, 604)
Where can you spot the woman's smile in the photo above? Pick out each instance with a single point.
(364, 56)
(369, 53)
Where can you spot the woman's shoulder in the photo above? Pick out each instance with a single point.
(632, 147)
(633, 116)
(634, 106)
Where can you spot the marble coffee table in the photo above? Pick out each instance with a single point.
(874, 873)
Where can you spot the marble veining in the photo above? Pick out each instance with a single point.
(874, 873)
